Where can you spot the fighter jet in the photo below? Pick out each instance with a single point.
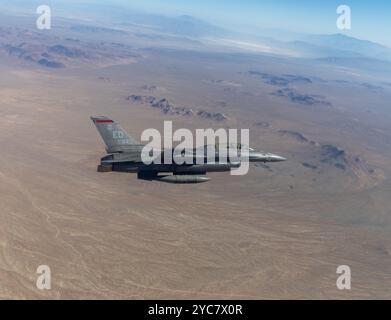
(124, 155)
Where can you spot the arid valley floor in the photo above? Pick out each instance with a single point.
(279, 232)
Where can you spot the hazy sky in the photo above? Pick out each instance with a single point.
(371, 19)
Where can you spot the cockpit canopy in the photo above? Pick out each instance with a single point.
(238, 146)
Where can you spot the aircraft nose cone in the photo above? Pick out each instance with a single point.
(265, 157)
(276, 158)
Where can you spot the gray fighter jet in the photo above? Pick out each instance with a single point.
(124, 155)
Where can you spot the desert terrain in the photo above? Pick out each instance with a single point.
(279, 232)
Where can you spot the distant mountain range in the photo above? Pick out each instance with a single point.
(303, 45)
(184, 25)
(333, 49)
(336, 49)
(347, 46)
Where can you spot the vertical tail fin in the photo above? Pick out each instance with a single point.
(115, 138)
